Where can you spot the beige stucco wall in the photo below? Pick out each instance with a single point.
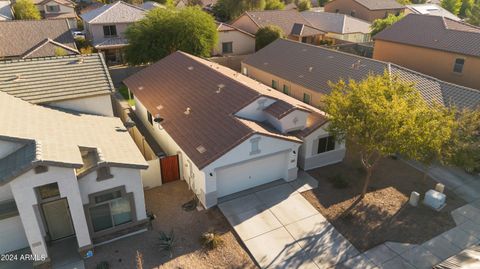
(63, 9)
(296, 90)
(432, 62)
(241, 42)
(95, 31)
(347, 6)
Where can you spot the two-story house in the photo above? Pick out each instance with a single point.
(437, 46)
(293, 24)
(65, 176)
(106, 26)
(230, 133)
(306, 71)
(368, 10)
(58, 9)
(233, 41)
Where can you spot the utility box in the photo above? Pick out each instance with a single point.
(440, 187)
(414, 198)
(435, 199)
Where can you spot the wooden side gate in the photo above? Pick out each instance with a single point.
(169, 168)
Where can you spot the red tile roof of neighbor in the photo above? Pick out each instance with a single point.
(434, 32)
(211, 94)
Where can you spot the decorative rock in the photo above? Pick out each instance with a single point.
(440, 187)
(414, 198)
(434, 199)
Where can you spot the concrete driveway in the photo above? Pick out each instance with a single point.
(281, 229)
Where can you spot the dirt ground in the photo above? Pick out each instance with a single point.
(165, 202)
(384, 214)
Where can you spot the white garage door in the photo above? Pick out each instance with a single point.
(12, 235)
(249, 174)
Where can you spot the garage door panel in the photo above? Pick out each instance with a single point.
(252, 173)
(12, 235)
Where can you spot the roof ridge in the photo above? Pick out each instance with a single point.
(48, 58)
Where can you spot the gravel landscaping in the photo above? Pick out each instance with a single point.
(188, 252)
(384, 214)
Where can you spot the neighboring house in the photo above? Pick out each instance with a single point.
(106, 26)
(29, 39)
(339, 27)
(65, 175)
(293, 24)
(436, 46)
(307, 70)
(6, 13)
(206, 5)
(233, 41)
(78, 83)
(149, 5)
(230, 133)
(368, 10)
(58, 9)
(430, 9)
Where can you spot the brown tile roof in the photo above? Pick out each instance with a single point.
(314, 67)
(284, 19)
(223, 27)
(380, 4)
(434, 32)
(19, 37)
(182, 82)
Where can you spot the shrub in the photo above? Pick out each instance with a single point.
(211, 239)
(167, 241)
(103, 265)
(339, 182)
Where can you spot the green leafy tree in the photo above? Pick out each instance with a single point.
(465, 147)
(26, 10)
(473, 15)
(60, 51)
(385, 116)
(167, 3)
(267, 35)
(404, 2)
(303, 5)
(452, 5)
(274, 5)
(379, 25)
(465, 7)
(164, 31)
(227, 10)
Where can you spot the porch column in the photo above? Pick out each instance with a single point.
(71, 191)
(26, 201)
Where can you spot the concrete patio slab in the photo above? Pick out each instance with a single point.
(276, 194)
(441, 247)
(314, 232)
(338, 252)
(241, 204)
(420, 257)
(399, 248)
(397, 263)
(458, 217)
(253, 223)
(273, 249)
(471, 228)
(467, 211)
(304, 182)
(460, 238)
(293, 209)
(357, 262)
(380, 254)
(467, 193)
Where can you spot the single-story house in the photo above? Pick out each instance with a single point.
(230, 133)
(305, 72)
(58, 9)
(437, 46)
(6, 13)
(65, 175)
(233, 41)
(106, 26)
(430, 9)
(339, 27)
(78, 83)
(22, 39)
(293, 24)
(368, 10)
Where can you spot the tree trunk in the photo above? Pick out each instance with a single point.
(368, 178)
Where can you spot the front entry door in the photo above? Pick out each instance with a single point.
(57, 216)
(170, 170)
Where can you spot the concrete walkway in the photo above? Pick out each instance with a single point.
(282, 229)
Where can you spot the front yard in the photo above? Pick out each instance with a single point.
(166, 203)
(384, 214)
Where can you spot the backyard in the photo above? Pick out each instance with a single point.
(187, 226)
(384, 214)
